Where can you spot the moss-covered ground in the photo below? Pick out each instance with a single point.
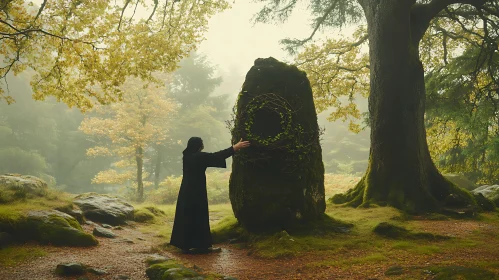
(342, 245)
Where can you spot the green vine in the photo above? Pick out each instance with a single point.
(293, 143)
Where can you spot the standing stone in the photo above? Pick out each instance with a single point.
(279, 180)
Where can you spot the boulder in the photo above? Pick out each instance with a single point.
(5, 239)
(70, 269)
(57, 228)
(102, 232)
(461, 181)
(155, 258)
(104, 209)
(73, 211)
(17, 186)
(279, 180)
(491, 192)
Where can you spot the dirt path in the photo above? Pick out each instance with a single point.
(121, 257)
(118, 256)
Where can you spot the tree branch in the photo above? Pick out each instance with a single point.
(40, 10)
(153, 11)
(422, 14)
(123, 11)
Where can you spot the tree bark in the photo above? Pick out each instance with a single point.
(401, 172)
(157, 168)
(140, 184)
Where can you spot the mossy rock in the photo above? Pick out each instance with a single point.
(460, 272)
(143, 215)
(104, 208)
(179, 273)
(73, 211)
(484, 203)
(490, 192)
(156, 271)
(16, 187)
(70, 269)
(396, 232)
(57, 228)
(279, 180)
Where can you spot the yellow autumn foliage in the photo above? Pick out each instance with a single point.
(81, 52)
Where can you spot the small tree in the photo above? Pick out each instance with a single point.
(127, 130)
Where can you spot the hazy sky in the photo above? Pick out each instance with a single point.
(233, 42)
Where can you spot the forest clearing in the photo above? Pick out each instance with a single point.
(463, 248)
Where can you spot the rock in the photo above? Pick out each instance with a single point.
(122, 277)
(483, 202)
(87, 222)
(491, 192)
(156, 271)
(179, 273)
(102, 232)
(461, 181)
(5, 239)
(17, 186)
(104, 209)
(57, 228)
(141, 239)
(229, 278)
(118, 228)
(278, 181)
(106, 226)
(128, 241)
(155, 258)
(73, 211)
(96, 271)
(70, 269)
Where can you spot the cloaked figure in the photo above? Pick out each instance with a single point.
(191, 228)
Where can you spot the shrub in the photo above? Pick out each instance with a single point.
(217, 183)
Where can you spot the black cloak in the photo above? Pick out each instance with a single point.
(191, 228)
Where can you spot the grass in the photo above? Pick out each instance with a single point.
(12, 255)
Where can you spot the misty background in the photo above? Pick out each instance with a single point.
(42, 138)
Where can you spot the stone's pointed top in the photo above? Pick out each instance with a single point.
(267, 61)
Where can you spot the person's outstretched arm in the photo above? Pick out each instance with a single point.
(217, 159)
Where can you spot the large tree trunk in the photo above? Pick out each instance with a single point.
(401, 172)
(140, 184)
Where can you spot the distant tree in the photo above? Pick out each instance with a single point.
(400, 172)
(201, 113)
(82, 51)
(42, 139)
(127, 130)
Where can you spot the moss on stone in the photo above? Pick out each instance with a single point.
(156, 271)
(55, 229)
(179, 273)
(279, 180)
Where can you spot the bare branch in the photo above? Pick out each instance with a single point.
(123, 11)
(40, 10)
(153, 11)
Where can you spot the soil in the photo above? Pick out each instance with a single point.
(121, 257)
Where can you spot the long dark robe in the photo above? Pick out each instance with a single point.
(191, 228)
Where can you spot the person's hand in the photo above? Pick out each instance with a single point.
(241, 145)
